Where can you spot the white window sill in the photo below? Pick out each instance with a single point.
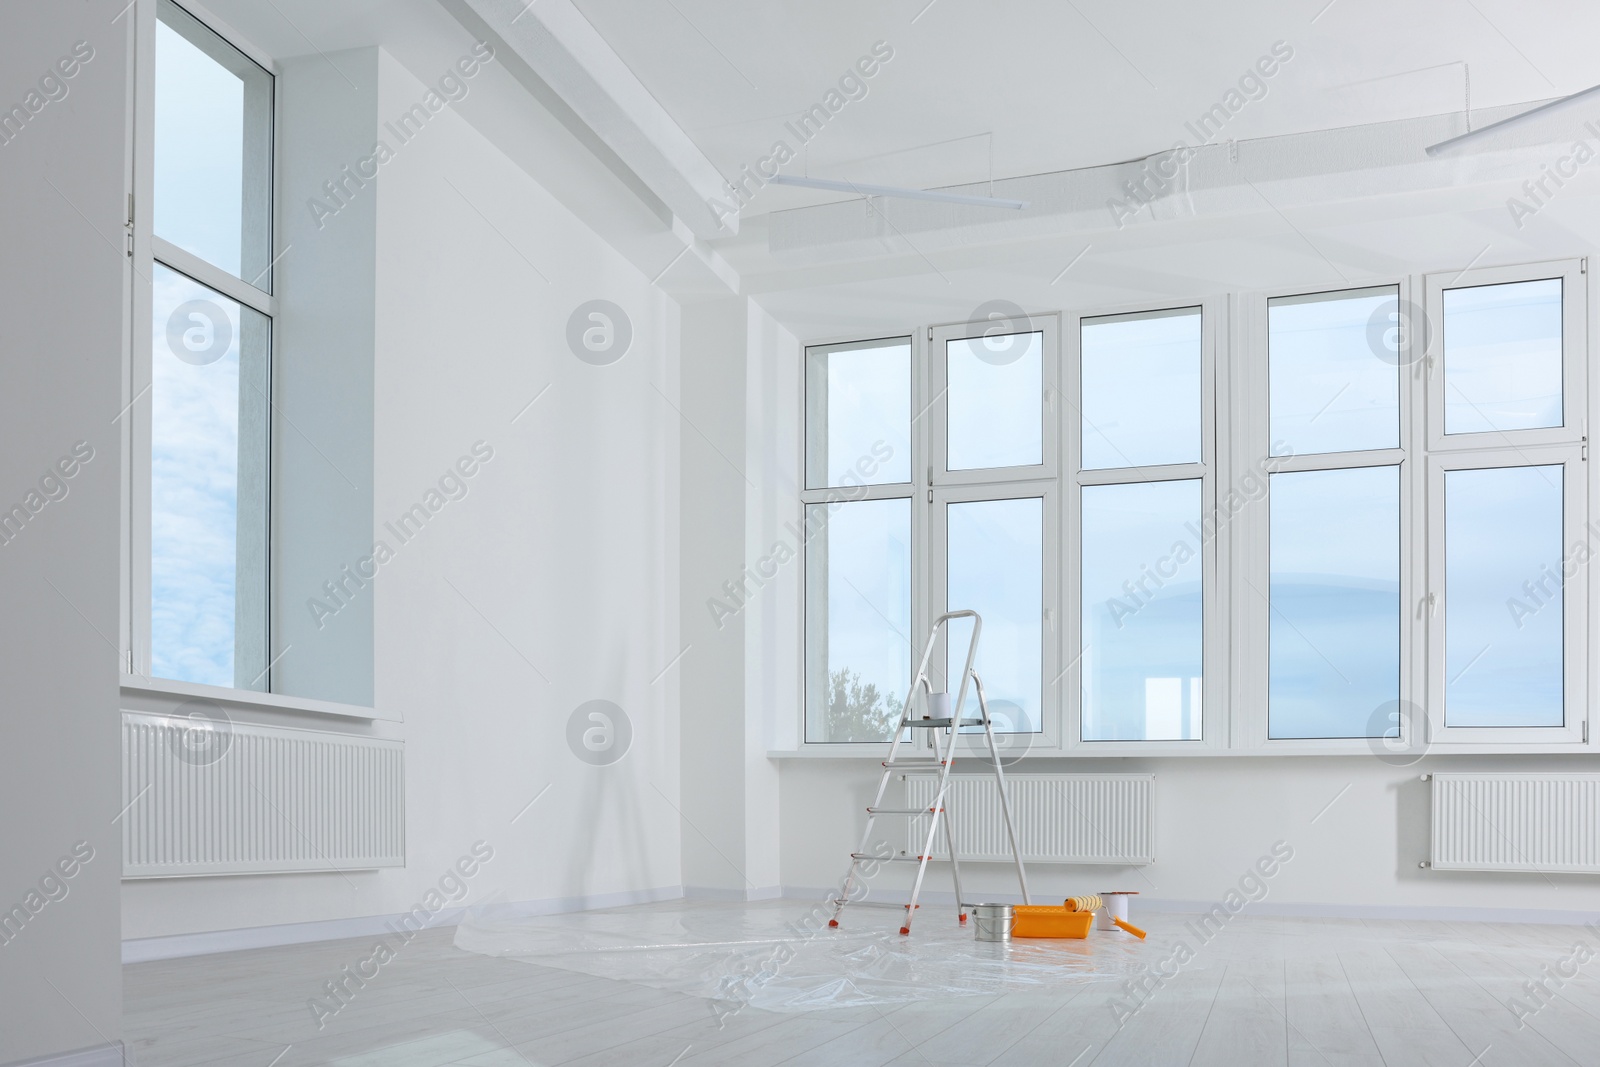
(1192, 750)
(164, 690)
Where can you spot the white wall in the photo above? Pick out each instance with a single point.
(551, 583)
(63, 298)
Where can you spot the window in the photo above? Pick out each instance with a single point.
(1362, 523)
(1507, 491)
(1143, 481)
(992, 505)
(858, 535)
(203, 480)
(1333, 456)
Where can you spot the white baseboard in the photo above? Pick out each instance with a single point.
(732, 896)
(178, 946)
(1277, 909)
(112, 1055)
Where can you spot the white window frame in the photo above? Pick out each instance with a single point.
(1566, 444)
(1574, 642)
(996, 483)
(854, 494)
(147, 251)
(1574, 331)
(1251, 559)
(934, 578)
(1237, 425)
(1214, 726)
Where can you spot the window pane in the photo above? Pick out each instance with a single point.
(1141, 389)
(1335, 602)
(858, 414)
(1502, 357)
(995, 566)
(213, 148)
(995, 401)
(1330, 390)
(208, 486)
(1503, 597)
(1142, 612)
(858, 618)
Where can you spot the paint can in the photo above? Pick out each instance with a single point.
(1116, 907)
(992, 922)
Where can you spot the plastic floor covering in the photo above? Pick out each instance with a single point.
(781, 956)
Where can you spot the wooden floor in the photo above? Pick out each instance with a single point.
(1264, 991)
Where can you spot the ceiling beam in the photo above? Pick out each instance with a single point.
(574, 63)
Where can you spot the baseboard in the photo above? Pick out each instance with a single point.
(733, 896)
(178, 946)
(1278, 909)
(112, 1055)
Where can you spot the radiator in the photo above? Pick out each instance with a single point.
(1517, 822)
(257, 799)
(1060, 818)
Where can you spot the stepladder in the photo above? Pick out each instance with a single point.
(940, 723)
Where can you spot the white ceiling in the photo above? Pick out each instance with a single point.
(1049, 85)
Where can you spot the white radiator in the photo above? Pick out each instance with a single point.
(1517, 822)
(249, 799)
(1060, 818)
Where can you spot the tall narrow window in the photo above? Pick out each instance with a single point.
(857, 539)
(1507, 474)
(992, 526)
(1143, 533)
(1332, 472)
(210, 359)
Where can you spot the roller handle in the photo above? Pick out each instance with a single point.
(1132, 929)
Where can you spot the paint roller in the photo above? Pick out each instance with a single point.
(1094, 903)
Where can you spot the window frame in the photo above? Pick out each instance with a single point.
(147, 250)
(1574, 334)
(887, 491)
(1567, 444)
(1215, 685)
(946, 487)
(1252, 561)
(1574, 639)
(1237, 426)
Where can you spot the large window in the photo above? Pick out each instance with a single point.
(202, 442)
(1357, 524)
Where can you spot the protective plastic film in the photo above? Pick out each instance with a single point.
(781, 956)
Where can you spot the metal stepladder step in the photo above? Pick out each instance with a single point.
(941, 720)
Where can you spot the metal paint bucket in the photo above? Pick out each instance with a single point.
(992, 922)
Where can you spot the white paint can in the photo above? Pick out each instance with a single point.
(1116, 907)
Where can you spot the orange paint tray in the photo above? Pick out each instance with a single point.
(1044, 920)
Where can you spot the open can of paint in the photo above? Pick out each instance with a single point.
(992, 922)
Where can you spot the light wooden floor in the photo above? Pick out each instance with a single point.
(1266, 991)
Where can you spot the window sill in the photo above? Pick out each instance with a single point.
(162, 691)
(1193, 750)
